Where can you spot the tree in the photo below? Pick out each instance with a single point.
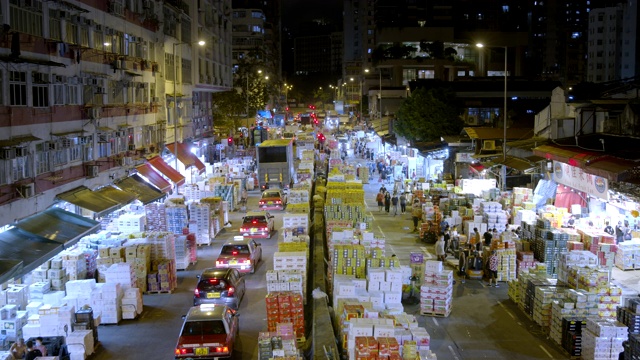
(427, 115)
(227, 107)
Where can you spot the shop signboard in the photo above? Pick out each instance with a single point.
(465, 157)
(476, 186)
(575, 177)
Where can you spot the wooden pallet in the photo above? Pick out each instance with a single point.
(158, 292)
(435, 314)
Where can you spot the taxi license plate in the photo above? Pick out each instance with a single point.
(253, 230)
(202, 351)
(270, 202)
(215, 295)
(233, 262)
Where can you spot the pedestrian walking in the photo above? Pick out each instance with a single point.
(475, 239)
(387, 202)
(488, 236)
(440, 254)
(403, 203)
(493, 268)
(380, 200)
(394, 202)
(416, 213)
(447, 238)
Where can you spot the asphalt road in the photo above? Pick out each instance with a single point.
(154, 334)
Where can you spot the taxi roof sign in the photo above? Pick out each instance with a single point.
(238, 238)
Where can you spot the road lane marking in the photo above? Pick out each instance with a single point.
(507, 311)
(546, 352)
(435, 321)
(453, 353)
(426, 252)
(382, 232)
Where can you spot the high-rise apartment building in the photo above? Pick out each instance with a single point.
(88, 89)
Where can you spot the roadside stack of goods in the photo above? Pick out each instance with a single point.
(286, 280)
(161, 255)
(363, 329)
(131, 223)
(294, 225)
(602, 339)
(285, 307)
(218, 213)
(350, 192)
(201, 220)
(194, 192)
(156, 215)
(493, 215)
(177, 215)
(363, 174)
(524, 261)
(628, 255)
(281, 344)
(186, 251)
(299, 198)
(506, 252)
(436, 291)
(229, 193)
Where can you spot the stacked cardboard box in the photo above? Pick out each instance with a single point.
(201, 222)
(131, 303)
(279, 344)
(129, 222)
(543, 301)
(285, 307)
(49, 321)
(12, 322)
(628, 255)
(286, 280)
(162, 277)
(186, 250)
(80, 344)
(436, 292)
(177, 217)
(156, 216)
(123, 274)
(602, 339)
(16, 294)
(524, 260)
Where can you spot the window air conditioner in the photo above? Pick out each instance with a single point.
(26, 190)
(489, 145)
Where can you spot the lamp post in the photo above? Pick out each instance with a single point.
(504, 120)
(175, 82)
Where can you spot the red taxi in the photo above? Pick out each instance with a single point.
(208, 332)
(257, 224)
(273, 199)
(242, 254)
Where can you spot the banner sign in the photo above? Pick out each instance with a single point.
(578, 179)
(465, 157)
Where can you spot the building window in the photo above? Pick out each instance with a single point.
(84, 36)
(116, 93)
(55, 29)
(169, 66)
(73, 92)
(186, 71)
(72, 33)
(40, 89)
(18, 88)
(42, 162)
(59, 90)
(20, 167)
(185, 28)
(26, 19)
(98, 40)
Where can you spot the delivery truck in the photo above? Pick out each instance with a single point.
(276, 166)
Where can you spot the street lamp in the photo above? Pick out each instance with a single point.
(175, 82)
(504, 120)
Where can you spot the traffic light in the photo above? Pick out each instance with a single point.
(230, 141)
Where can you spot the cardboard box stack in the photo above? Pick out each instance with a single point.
(193, 192)
(602, 339)
(186, 250)
(49, 321)
(279, 344)
(286, 280)
(131, 303)
(217, 214)
(506, 251)
(129, 222)
(628, 255)
(285, 307)
(493, 215)
(12, 322)
(156, 216)
(544, 297)
(524, 261)
(294, 225)
(201, 222)
(436, 292)
(177, 216)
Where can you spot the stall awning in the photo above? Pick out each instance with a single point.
(60, 226)
(489, 133)
(156, 179)
(476, 167)
(186, 157)
(596, 163)
(145, 192)
(162, 166)
(516, 163)
(87, 199)
(117, 195)
(22, 252)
